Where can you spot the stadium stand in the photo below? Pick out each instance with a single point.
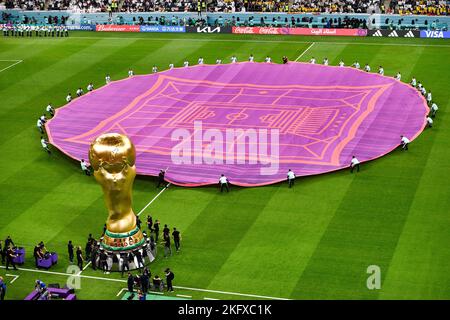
(418, 7)
(364, 14)
(428, 7)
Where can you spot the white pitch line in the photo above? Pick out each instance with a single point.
(183, 296)
(124, 281)
(121, 290)
(18, 61)
(206, 298)
(269, 41)
(231, 293)
(85, 267)
(140, 212)
(301, 55)
(14, 276)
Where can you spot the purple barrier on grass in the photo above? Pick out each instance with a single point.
(45, 263)
(32, 296)
(54, 257)
(71, 297)
(20, 259)
(60, 292)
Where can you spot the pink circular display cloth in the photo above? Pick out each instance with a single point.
(249, 121)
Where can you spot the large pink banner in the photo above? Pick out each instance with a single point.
(250, 121)
(300, 31)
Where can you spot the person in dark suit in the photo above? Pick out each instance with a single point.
(145, 281)
(8, 242)
(79, 258)
(94, 255)
(10, 255)
(150, 223)
(103, 263)
(70, 251)
(140, 259)
(138, 222)
(130, 282)
(169, 278)
(37, 254)
(166, 230)
(167, 247)
(161, 181)
(176, 238)
(125, 265)
(156, 230)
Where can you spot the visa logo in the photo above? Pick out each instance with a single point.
(434, 34)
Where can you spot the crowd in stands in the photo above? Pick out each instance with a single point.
(429, 7)
(25, 4)
(338, 6)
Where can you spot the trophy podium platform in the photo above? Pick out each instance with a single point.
(118, 247)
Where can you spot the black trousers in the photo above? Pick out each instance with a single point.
(160, 182)
(2, 295)
(10, 261)
(169, 285)
(80, 264)
(71, 257)
(125, 266)
(353, 167)
(144, 287)
(105, 266)
(177, 244)
(405, 146)
(291, 182)
(224, 185)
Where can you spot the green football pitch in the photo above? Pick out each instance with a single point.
(314, 241)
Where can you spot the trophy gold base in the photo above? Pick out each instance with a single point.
(120, 242)
(117, 245)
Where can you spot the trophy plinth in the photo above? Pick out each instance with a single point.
(116, 242)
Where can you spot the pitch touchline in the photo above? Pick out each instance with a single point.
(268, 41)
(151, 201)
(17, 62)
(124, 281)
(306, 50)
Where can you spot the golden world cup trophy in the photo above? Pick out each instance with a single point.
(112, 156)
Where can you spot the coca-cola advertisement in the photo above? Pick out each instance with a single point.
(300, 31)
(256, 30)
(117, 28)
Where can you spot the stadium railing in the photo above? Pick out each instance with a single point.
(277, 19)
